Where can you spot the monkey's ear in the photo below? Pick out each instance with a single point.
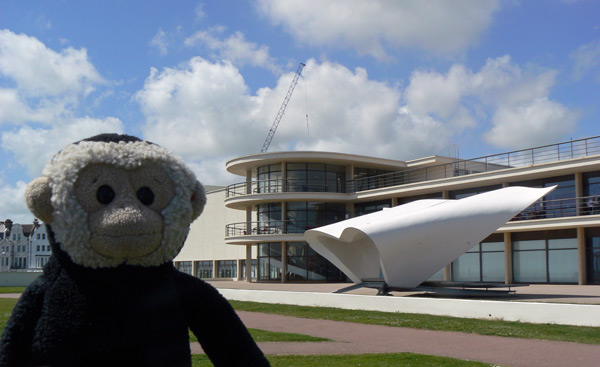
(198, 200)
(38, 195)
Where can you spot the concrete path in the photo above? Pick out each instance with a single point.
(352, 338)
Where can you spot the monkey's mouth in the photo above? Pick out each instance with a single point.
(126, 246)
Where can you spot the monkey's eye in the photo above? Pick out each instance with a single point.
(145, 196)
(105, 194)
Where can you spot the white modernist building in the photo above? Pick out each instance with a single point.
(255, 229)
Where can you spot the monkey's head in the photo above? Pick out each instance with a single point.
(115, 199)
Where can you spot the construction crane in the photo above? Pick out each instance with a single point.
(282, 109)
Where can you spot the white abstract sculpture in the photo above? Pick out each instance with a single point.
(411, 242)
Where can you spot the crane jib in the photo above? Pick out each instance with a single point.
(282, 109)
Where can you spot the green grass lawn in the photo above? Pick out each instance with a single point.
(370, 360)
(11, 290)
(577, 334)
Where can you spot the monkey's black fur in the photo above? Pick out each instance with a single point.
(124, 316)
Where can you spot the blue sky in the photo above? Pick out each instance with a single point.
(396, 79)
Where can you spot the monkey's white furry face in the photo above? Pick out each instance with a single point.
(98, 240)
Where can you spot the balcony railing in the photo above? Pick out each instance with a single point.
(543, 209)
(288, 185)
(520, 158)
(270, 227)
(559, 208)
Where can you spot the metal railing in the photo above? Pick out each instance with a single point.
(520, 158)
(559, 208)
(270, 227)
(542, 209)
(288, 185)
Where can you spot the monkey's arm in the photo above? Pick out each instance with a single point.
(223, 336)
(18, 333)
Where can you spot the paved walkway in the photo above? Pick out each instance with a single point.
(352, 338)
(546, 293)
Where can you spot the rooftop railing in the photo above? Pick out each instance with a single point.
(520, 158)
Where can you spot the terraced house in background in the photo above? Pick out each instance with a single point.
(23, 247)
(254, 229)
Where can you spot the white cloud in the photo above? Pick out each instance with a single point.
(235, 48)
(516, 99)
(40, 71)
(586, 59)
(200, 109)
(160, 42)
(530, 124)
(373, 27)
(33, 147)
(12, 203)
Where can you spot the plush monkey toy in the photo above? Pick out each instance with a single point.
(118, 210)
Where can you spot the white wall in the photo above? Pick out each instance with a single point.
(206, 240)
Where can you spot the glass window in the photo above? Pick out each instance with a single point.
(593, 254)
(529, 266)
(466, 268)
(269, 261)
(227, 269)
(303, 215)
(185, 267)
(269, 178)
(492, 265)
(546, 256)
(563, 266)
(252, 270)
(204, 269)
(529, 245)
(315, 177)
(303, 263)
(269, 218)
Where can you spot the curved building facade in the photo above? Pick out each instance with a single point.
(282, 194)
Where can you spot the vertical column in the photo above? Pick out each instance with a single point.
(350, 177)
(194, 268)
(248, 220)
(448, 268)
(239, 269)
(248, 182)
(581, 255)
(249, 263)
(508, 259)
(283, 176)
(394, 202)
(215, 271)
(283, 262)
(579, 193)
